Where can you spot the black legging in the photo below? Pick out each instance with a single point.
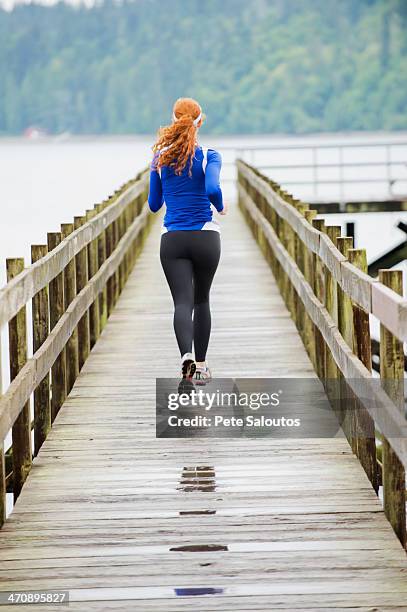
(189, 259)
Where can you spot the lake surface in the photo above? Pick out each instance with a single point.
(46, 182)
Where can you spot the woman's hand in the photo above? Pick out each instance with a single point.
(224, 209)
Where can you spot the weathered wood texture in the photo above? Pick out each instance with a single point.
(56, 310)
(375, 400)
(82, 277)
(392, 377)
(64, 315)
(341, 338)
(40, 327)
(72, 349)
(288, 524)
(21, 430)
(17, 293)
(370, 294)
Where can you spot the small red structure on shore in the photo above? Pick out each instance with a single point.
(33, 132)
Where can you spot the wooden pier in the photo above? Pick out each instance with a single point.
(125, 521)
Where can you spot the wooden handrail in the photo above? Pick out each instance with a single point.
(29, 377)
(23, 287)
(374, 400)
(374, 297)
(73, 282)
(325, 286)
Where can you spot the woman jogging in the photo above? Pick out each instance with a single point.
(185, 177)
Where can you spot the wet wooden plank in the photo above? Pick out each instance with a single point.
(103, 506)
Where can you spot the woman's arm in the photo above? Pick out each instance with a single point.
(155, 194)
(212, 175)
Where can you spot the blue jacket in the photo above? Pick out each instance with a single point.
(188, 199)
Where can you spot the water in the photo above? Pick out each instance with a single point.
(46, 182)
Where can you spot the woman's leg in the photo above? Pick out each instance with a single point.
(206, 254)
(179, 274)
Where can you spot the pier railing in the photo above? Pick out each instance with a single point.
(325, 285)
(359, 175)
(73, 282)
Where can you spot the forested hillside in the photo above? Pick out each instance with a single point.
(256, 66)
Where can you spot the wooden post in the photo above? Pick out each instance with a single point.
(285, 286)
(345, 311)
(140, 239)
(111, 289)
(94, 318)
(130, 219)
(331, 304)
(291, 298)
(260, 234)
(125, 228)
(392, 379)
(361, 338)
(299, 306)
(72, 360)
(56, 310)
(309, 327)
(40, 324)
(364, 424)
(300, 257)
(134, 213)
(319, 290)
(116, 275)
(345, 326)
(101, 240)
(122, 266)
(82, 276)
(21, 430)
(3, 490)
(331, 298)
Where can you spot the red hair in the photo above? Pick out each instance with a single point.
(175, 144)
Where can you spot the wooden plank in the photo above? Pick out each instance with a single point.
(25, 382)
(346, 329)
(40, 325)
(378, 405)
(101, 241)
(21, 430)
(82, 277)
(392, 379)
(56, 310)
(331, 304)
(260, 603)
(93, 266)
(364, 425)
(298, 510)
(3, 487)
(390, 309)
(70, 292)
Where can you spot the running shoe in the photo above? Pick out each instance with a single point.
(188, 365)
(202, 375)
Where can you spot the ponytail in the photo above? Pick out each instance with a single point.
(175, 144)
